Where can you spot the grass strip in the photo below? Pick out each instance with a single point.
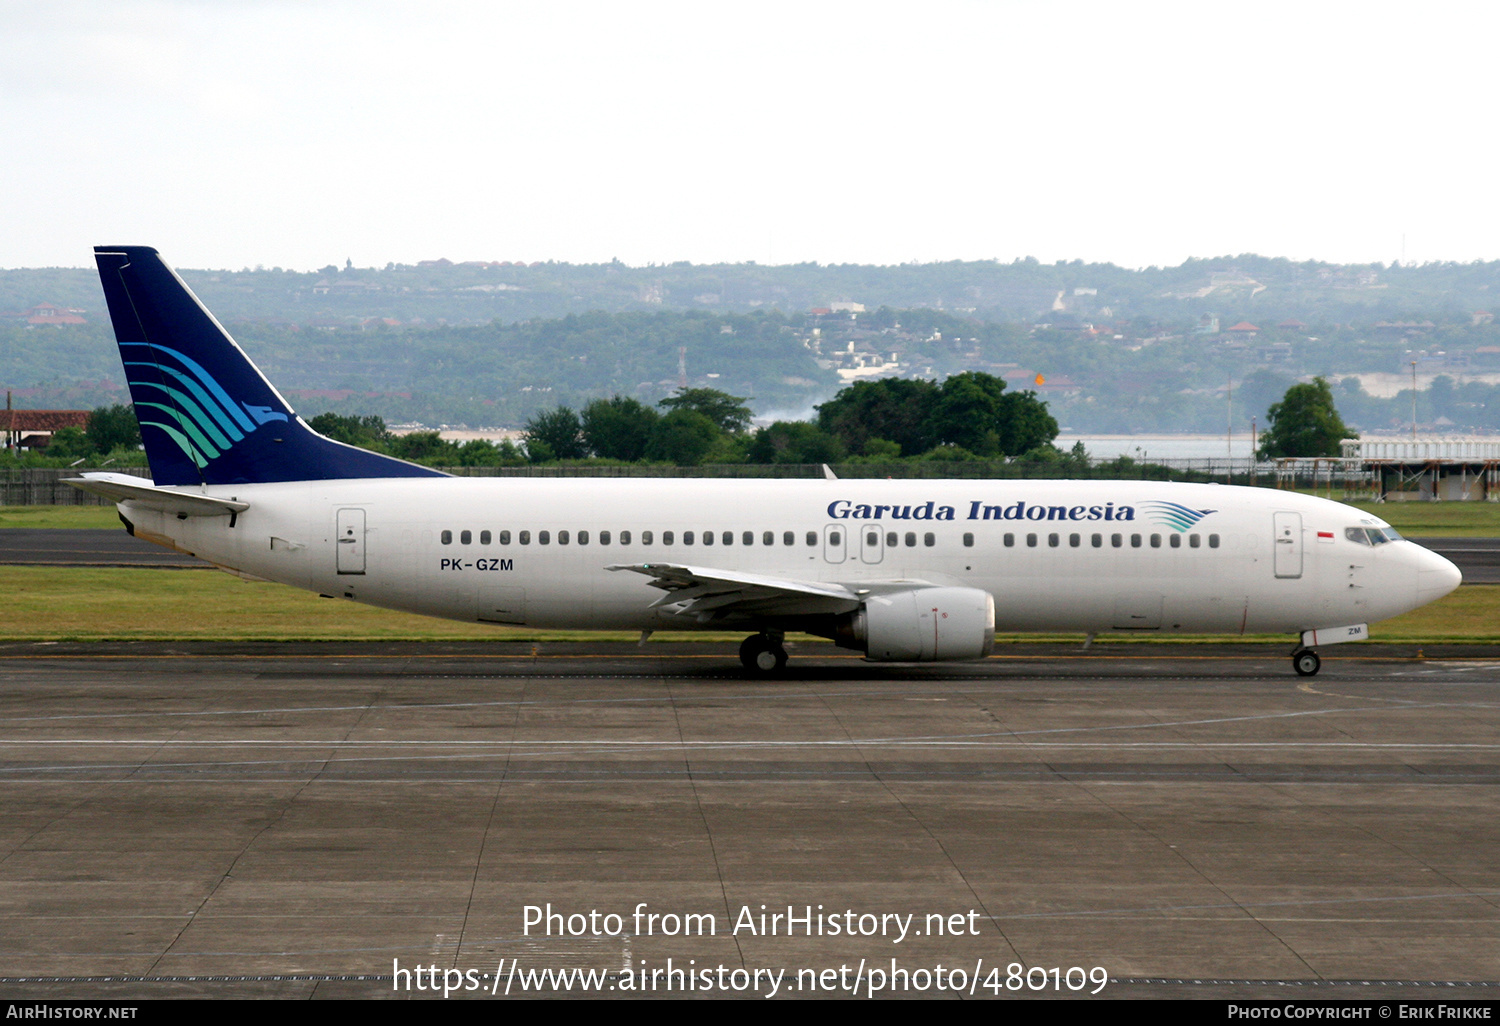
(150, 604)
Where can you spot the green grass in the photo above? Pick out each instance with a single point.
(59, 516)
(147, 604)
(1438, 519)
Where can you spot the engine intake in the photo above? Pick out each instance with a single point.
(923, 625)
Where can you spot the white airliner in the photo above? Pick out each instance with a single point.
(903, 571)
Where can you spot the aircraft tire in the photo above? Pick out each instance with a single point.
(761, 656)
(1306, 662)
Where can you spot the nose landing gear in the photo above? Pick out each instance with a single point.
(763, 654)
(1306, 662)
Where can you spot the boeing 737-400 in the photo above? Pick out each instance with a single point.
(903, 571)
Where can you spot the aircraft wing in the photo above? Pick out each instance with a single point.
(706, 593)
(124, 488)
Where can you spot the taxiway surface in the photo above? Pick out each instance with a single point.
(304, 820)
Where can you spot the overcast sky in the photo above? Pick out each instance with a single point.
(299, 134)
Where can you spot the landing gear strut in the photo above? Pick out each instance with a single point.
(763, 654)
(1306, 662)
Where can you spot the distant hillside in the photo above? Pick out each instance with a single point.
(1117, 350)
(1244, 287)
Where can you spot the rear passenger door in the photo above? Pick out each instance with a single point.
(1287, 542)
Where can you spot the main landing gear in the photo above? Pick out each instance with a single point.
(1306, 662)
(763, 654)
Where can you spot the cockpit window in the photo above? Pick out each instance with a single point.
(1371, 535)
(1357, 535)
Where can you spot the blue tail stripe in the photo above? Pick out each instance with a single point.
(202, 444)
(208, 379)
(204, 399)
(193, 412)
(181, 440)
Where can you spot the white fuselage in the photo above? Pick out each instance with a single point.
(1055, 555)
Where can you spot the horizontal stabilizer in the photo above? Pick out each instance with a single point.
(124, 488)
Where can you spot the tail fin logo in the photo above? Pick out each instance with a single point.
(193, 409)
(1175, 515)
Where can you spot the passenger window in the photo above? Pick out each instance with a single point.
(812, 537)
(666, 537)
(562, 537)
(1176, 540)
(625, 537)
(929, 539)
(1135, 541)
(1031, 541)
(1098, 541)
(1194, 541)
(911, 539)
(447, 537)
(748, 538)
(645, 538)
(1156, 541)
(583, 537)
(836, 538)
(484, 537)
(1117, 540)
(603, 537)
(891, 539)
(788, 538)
(873, 539)
(968, 540)
(543, 538)
(466, 537)
(1052, 541)
(525, 537)
(687, 537)
(504, 537)
(1213, 541)
(708, 538)
(1075, 540)
(728, 538)
(1010, 540)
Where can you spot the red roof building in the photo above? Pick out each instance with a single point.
(22, 426)
(51, 313)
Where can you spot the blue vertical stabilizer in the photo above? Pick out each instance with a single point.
(207, 414)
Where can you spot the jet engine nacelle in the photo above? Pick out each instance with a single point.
(924, 625)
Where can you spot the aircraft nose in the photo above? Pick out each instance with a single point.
(1436, 576)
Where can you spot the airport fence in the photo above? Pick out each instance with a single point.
(43, 486)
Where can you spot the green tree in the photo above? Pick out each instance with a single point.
(113, 427)
(618, 428)
(365, 432)
(727, 412)
(554, 435)
(69, 443)
(1024, 423)
(1304, 423)
(967, 413)
(427, 447)
(895, 409)
(794, 441)
(683, 437)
